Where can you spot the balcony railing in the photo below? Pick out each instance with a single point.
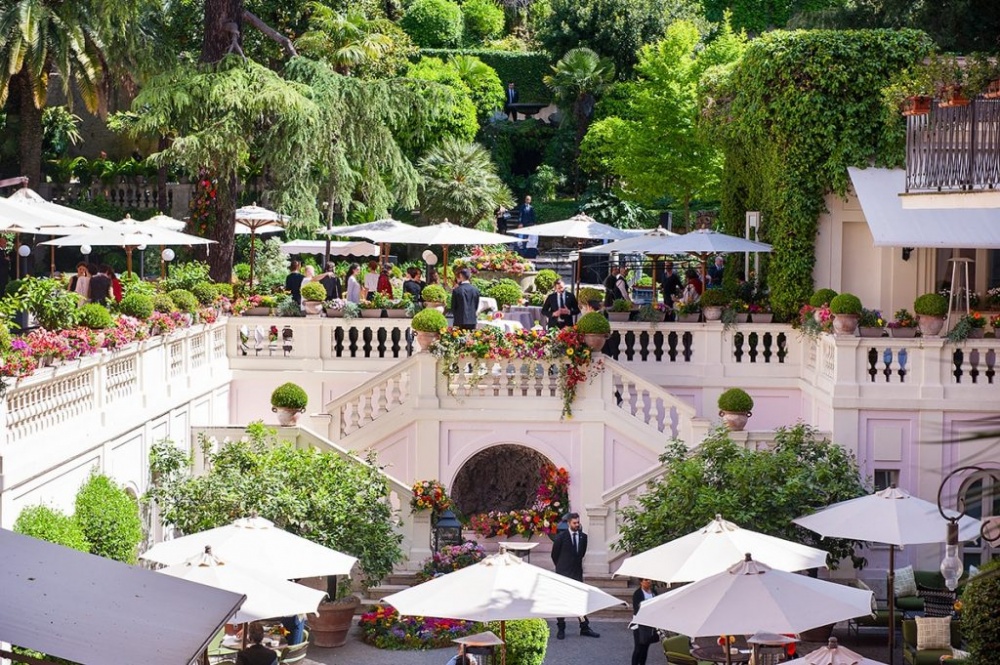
(954, 149)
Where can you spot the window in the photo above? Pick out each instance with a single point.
(883, 478)
(981, 497)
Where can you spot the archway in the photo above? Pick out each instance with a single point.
(503, 477)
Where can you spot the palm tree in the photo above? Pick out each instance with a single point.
(459, 182)
(577, 80)
(349, 41)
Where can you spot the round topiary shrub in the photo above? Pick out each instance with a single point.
(527, 640)
(184, 300)
(822, 297)
(314, 292)
(545, 279)
(12, 286)
(434, 23)
(433, 293)
(483, 20)
(242, 271)
(505, 293)
(138, 305)
(981, 614)
(204, 292)
(224, 290)
(736, 400)
(931, 304)
(109, 519)
(94, 316)
(162, 303)
(289, 396)
(586, 294)
(51, 525)
(713, 298)
(429, 320)
(846, 303)
(593, 323)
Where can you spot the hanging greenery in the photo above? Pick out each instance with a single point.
(791, 116)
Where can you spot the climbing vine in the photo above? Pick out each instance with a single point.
(791, 116)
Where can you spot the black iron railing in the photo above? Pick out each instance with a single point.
(955, 148)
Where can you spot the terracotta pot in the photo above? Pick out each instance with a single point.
(930, 326)
(917, 105)
(287, 417)
(712, 313)
(312, 307)
(734, 420)
(330, 627)
(903, 333)
(425, 339)
(845, 325)
(595, 341)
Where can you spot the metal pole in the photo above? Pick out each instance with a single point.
(891, 593)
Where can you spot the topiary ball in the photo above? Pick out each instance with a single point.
(846, 303)
(138, 305)
(204, 292)
(822, 297)
(433, 293)
(163, 304)
(429, 320)
(736, 400)
(289, 396)
(931, 304)
(593, 323)
(505, 293)
(95, 316)
(545, 279)
(314, 291)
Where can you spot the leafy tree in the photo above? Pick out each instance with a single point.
(482, 82)
(757, 16)
(457, 117)
(109, 519)
(460, 183)
(759, 489)
(434, 23)
(483, 20)
(351, 43)
(52, 525)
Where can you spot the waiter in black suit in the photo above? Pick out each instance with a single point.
(560, 307)
(465, 301)
(512, 98)
(568, 550)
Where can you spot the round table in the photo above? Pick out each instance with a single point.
(717, 654)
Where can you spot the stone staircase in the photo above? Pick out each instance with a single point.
(616, 586)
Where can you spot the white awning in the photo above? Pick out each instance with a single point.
(893, 226)
(89, 609)
(337, 247)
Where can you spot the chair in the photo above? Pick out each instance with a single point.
(294, 653)
(927, 656)
(677, 649)
(216, 652)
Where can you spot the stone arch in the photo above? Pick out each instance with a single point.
(500, 477)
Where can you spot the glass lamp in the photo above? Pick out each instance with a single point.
(951, 564)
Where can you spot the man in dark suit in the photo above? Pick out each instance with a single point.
(465, 301)
(568, 550)
(560, 306)
(527, 217)
(511, 98)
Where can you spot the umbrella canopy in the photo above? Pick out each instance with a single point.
(446, 234)
(337, 248)
(833, 654)
(266, 597)
(255, 219)
(713, 549)
(31, 199)
(583, 227)
(264, 229)
(381, 231)
(650, 243)
(499, 588)
(165, 222)
(751, 596)
(254, 543)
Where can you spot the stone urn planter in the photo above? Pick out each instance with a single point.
(430, 304)
(712, 313)
(330, 627)
(312, 307)
(736, 421)
(688, 318)
(426, 339)
(334, 312)
(930, 326)
(595, 341)
(287, 417)
(977, 333)
(734, 408)
(845, 325)
(741, 317)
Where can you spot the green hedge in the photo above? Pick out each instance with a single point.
(525, 69)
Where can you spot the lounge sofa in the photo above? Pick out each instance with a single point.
(928, 579)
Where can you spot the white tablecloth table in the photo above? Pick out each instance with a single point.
(504, 324)
(487, 305)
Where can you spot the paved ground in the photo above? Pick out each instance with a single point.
(613, 648)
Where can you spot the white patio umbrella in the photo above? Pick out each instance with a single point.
(31, 199)
(833, 654)
(335, 248)
(891, 516)
(254, 218)
(27, 212)
(713, 549)
(165, 222)
(751, 596)
(380, 231)
(499, 588)
(267, 597)
(254, 543)
(446, 234)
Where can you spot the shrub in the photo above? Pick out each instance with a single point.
(204, 292)
(314, 291)
(138, 305)
(505, 293)
(434, 293)
(53, 306)
(736, 400)
(525, 68)
(51, 525)
(242, 271)
(822, 297)
(621, 305)
(527, 640)
(433, 23)
(846, 303)
(714, 298)
(224, 290)
(163, 304)
(981, 614)
(483, 20)
(429, 320)
(289, 396)
(545, 279)
(12, 286)
(586, 293)
(186, 276)
(94, 316)
(931, 304)
(184, 300)
(109, 519)
(4, 337)
(593, 323)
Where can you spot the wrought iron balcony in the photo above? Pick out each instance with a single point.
(954, 149)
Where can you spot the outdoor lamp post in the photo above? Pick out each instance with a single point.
(166, 256)
(951, 564)
(447, 531)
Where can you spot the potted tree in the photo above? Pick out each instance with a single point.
(313, 295)
(288, 401)
(620, 311)
(931, 309)
(846, 309)
(713, 301)
(434, 297)
(428, 323)
(595, 330)
(735, 408)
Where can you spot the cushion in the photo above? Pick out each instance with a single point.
(933, 633)
(906, 584)
(937, 602)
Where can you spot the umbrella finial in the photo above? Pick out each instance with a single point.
(748, 557)
(208, 549)
(832, 643)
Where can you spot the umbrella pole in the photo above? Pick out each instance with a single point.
(163, 265)
(252, 248)
(444, 268)
(654, 281)
(17, 255)
(128, 259)
(891, 595)
(503, 647)
(729, 653)
(52, 261)
(579, 266)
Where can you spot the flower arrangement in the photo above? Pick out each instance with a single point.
(903, 319)
(375, 301)
(993, 297)
(384, 628)
(495, 259)
(760, 307)
(551, 502)
(272, 334)
(429, 495)
(814, 320)
(964, 327)
(651, 312)
(995, 321)
(687, 308)
(871, 318)
(973, 296)
(725, 639)
(450, 559)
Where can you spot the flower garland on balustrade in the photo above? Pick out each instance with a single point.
(551, 502)
(429, 495)
(490, 343)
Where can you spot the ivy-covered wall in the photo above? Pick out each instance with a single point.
(793, 114)
(524, 69)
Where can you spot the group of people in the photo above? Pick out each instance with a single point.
(97, 284)
(376, 280)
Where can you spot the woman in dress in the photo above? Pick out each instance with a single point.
(371, 280)
(642, 636)
(353, 285)
(80, 283)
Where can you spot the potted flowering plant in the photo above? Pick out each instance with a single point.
(687, 312)
(760, 312)
(335, 307)
(903, 325)
(968, 326)
(372, 307)
(870, 323)
(401, 308)
(995, 324)
(652, 313)
(740, 310)
(712, 303)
